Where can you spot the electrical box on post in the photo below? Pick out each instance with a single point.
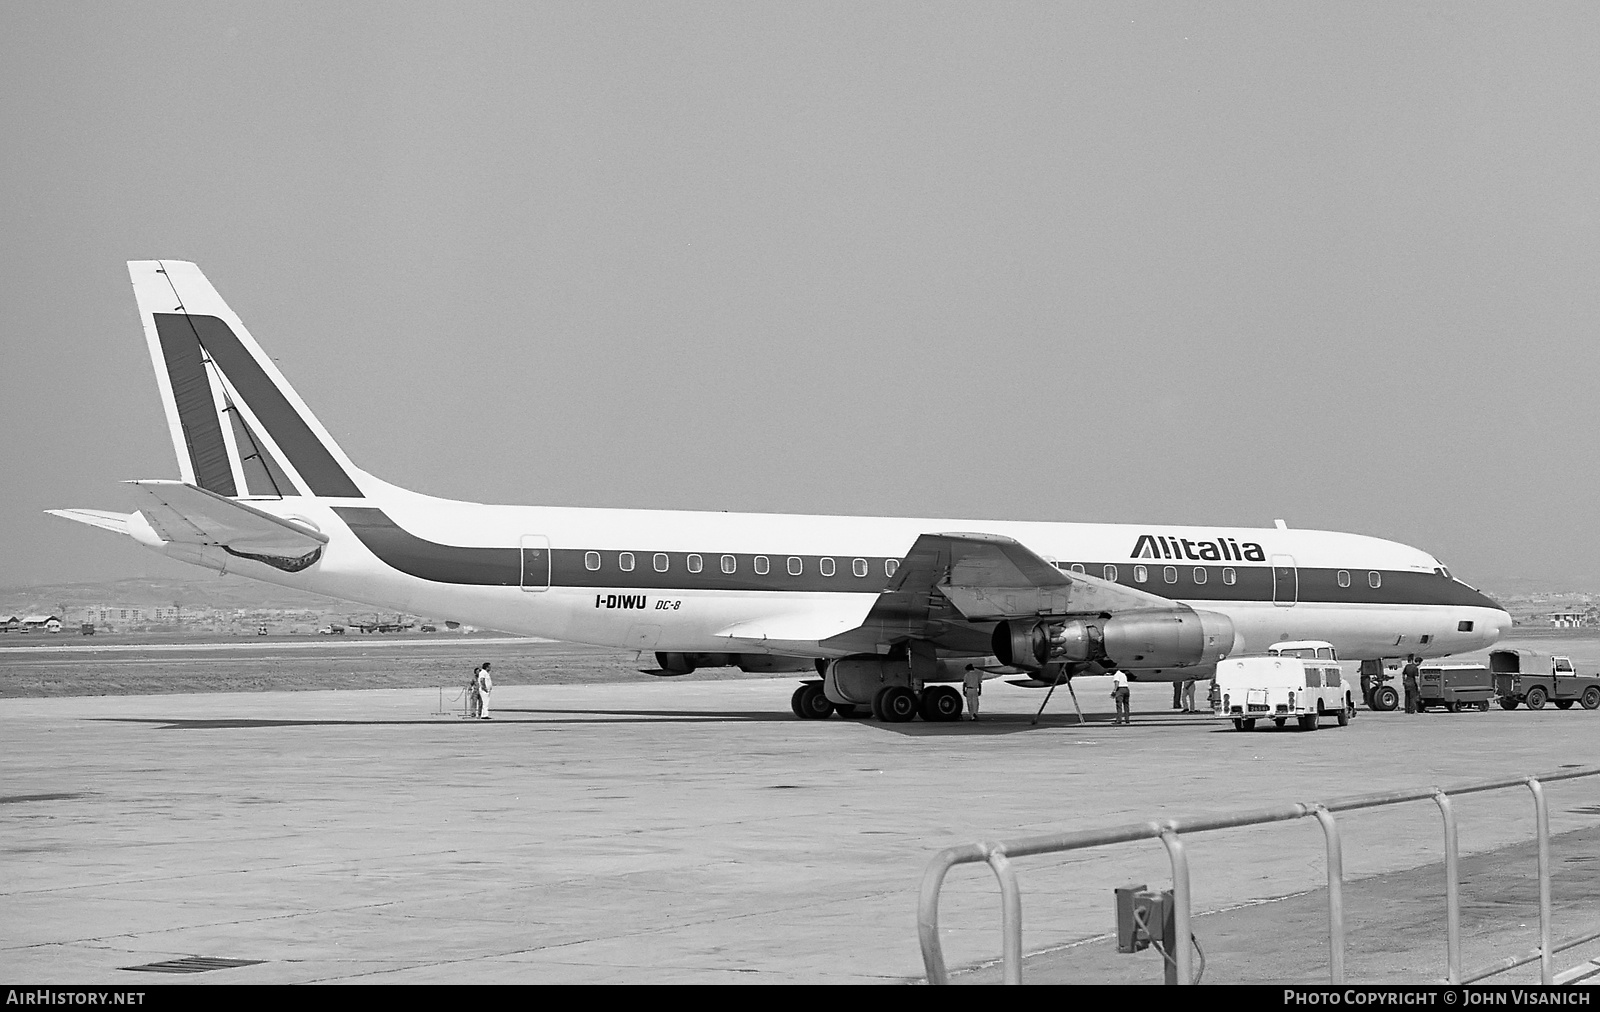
(1145, 917)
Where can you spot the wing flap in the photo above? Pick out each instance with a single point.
(190, 515)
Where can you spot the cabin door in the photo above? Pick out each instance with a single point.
(1285, 581)
(535, 562)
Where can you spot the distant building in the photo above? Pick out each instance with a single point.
(41, 623)
(11, 624)
(1566, 619)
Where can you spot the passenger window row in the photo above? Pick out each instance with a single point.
(1230, 576)
(661, 562)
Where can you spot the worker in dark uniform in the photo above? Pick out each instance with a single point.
(1408, 675)
(1366, 686)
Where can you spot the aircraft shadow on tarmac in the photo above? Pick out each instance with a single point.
(993, 724)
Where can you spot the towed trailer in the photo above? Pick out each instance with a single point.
(1535, 678)
(1455, 687)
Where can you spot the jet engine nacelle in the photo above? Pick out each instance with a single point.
(1153, 639)
(1168, 639)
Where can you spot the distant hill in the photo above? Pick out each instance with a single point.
(200, 592)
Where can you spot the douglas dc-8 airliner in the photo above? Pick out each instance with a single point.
(883, 609)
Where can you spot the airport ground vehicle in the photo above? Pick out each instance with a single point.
(1298, 678)
(1455, 686)
(1535, 678)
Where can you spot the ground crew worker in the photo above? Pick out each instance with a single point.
(1119, 693)
(1177, 695)
(485, 687)
(1366, 685)
(474, 701)
(1408, 675)
(972, 688)
(1188, 695)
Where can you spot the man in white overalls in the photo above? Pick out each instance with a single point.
(485, 687)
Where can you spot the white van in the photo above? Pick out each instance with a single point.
(1298, 678)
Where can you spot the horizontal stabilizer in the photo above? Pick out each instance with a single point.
(183, 513)
(103, 519)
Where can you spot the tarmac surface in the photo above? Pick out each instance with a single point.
(695, 831)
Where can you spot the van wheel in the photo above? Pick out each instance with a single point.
(1564, 704)
(1591, 698)
(1345, 715)
(1247, 724)
(1508, 702)
(1483, 707)
(1536, 697)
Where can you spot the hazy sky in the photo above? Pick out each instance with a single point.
(1336, 263)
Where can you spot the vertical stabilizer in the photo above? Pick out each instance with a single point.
(238, 427)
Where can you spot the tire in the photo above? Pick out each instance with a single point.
(1346, 713)
(1238, 725)
(1453, 707)
(1483, 706)
(1537, 697)
(1308, 722)
(1278, 721)
(941, 703)
(1591, 698)
(1508, 702)
(794, 702)
(1564, 704)
(811, 704)
(1385, 698)
(1247, 724)
(896, 704)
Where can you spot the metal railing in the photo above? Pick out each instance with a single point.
(998, 857)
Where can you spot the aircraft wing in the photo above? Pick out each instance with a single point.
(951, 585)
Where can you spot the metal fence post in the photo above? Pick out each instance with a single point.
(1180, 902)
(1541, 816)
(1335, 895)
(1452, 897)
(1010, 913)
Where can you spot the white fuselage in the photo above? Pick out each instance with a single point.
(1305, 584)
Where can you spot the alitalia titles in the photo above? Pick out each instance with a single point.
(1166, 546)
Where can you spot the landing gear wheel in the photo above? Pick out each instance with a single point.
(1308, 722)
(1591, 698)
(941, 703)
(1385, 698)
(1508, 702)
(1537, 697)
(895, 704)
(809, 703)
(1564, 704)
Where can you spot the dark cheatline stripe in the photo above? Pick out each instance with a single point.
(428, 560)
(502, 567)
(197, 411)
(305, 451)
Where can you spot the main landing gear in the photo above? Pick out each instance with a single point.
(893, 704)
